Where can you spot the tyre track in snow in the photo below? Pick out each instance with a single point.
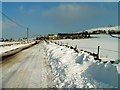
(27, 69)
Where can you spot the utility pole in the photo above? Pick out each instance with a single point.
(27, 34)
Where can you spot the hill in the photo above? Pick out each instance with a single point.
(113, 29)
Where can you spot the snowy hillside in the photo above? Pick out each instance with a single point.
(79, 70)
(115, 28)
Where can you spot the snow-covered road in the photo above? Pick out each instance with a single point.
(27, 69)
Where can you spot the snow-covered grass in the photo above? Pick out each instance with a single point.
(79, 70)
(108, 45)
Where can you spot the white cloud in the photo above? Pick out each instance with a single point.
(68, 13)
(21, 7)
(7, 24)
(0, 29)
(0, 23)
(25, 10)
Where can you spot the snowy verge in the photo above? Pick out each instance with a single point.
(14, 49)
(79, 70)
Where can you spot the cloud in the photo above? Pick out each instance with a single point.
(0, 29)
(7, 24)
(21, 8)
(65, 11)
(0, 23)
(28, 11)
(70, 13)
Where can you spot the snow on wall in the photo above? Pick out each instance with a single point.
(79, 70)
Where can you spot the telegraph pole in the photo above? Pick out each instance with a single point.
(27, 34)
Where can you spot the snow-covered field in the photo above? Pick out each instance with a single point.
(79, 70)
(108, 45)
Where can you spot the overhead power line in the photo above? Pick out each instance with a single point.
(17, 24)
(13, 21)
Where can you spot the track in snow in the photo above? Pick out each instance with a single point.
(27, 69)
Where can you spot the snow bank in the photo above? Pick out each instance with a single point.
(79, 70)
(14, 48)
(98, 73)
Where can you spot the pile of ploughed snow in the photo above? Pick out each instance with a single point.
(79, 70)
(6, 48)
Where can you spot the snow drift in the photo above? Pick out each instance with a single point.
(79, 70)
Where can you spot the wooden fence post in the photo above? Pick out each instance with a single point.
(98, 52)
(76, 47)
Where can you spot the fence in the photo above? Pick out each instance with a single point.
(95, 55)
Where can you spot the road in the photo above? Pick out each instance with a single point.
(27, 69)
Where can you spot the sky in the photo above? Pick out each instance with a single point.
(44, 18)
(60, 0)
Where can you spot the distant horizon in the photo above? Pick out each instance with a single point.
(65, 32)
(44, 18)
